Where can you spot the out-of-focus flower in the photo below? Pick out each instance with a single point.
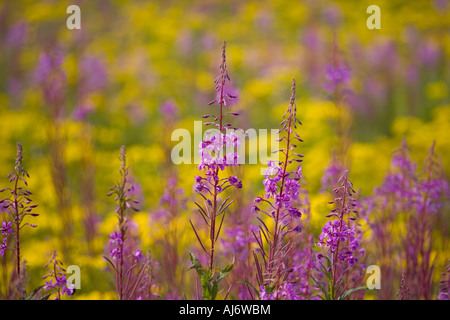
(429, 53)
(336, 75)
(238, 241)
(16, 35)
(53, 80)
(169, 109)
(93, 74)
(82, 111)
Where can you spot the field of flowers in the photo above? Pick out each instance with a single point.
(101, 199)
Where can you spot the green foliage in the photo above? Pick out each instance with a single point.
(349, 292)
(36, 294)
(329, 292)
(209, 278)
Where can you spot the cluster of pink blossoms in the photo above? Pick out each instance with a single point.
(214, 159)
(291, 191)
(218, 144)
(60, 285)
(116, 243)
(338, 232)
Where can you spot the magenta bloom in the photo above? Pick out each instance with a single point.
(49, 285)
(6, 227)
(116, 238)
(67, 290)
(338, 232)
(138, 255)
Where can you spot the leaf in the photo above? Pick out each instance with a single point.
(45, 297)
(196, 264)
(34, 294)
(321, 288)
(220, 227)
(222, 210)
(110, 262)
(201, 209)
(198, 238)
(205, 279)
(325, 271)
(224, 272)
(223, 203)
(329, 263)
(251, 286)
(350, 291)
(214, 290)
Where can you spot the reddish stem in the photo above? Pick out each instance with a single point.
(17, 222)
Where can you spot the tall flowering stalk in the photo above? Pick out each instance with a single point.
(418, 200)
(117, 239)
(53, 82)
(92, 78)
(339, 237)
(432, 191)
(239, 243)
(19, 206)
(338, 76)
(172, 204)
(211, 185)
(133, 270)
(282, 190)
(87, 190)
(304, 261)
(384, 208)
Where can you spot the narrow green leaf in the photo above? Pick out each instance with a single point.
(321, 288)
(224, 272)
(34, 293)
(350, 291)
(329, 262)
(196, 264)
(214, 290)
(46, 297)
(251, 286)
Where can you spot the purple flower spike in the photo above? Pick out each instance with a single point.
(217, 152)
(282, 190)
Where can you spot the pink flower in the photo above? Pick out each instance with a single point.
(6, 227)
(138, 255)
